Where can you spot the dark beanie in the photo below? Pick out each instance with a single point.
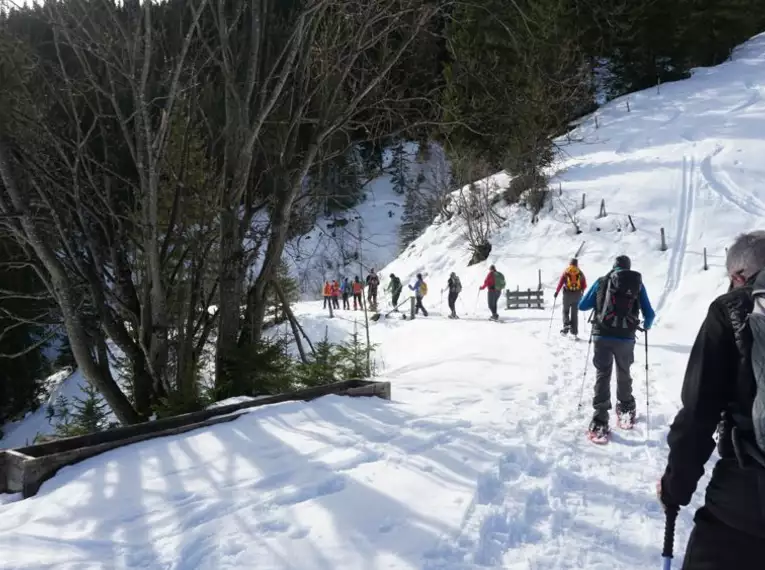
(623, 262)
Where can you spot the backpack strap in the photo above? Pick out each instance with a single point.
(606, 293)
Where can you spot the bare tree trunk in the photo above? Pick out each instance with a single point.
(66, 298)
(292, 319)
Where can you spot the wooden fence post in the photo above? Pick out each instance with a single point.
(584, 198)
(706, 266)
(602, 208)
(560, 189)
(597, 125)
(540, 279)
(628, 104)
(663, 241)
(329, 303)
(632, 224)
(412, 305)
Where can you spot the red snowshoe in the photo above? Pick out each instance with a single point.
(598, 432)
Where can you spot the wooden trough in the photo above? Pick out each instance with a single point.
(24, 469)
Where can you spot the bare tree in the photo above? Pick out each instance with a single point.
(329, 82)
(102, 194)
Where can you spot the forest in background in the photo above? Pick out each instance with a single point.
(155, 158)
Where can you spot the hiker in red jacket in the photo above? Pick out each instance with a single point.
(494, 282)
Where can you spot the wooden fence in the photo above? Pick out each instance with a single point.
(528, 299)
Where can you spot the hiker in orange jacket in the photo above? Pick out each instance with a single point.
(327, 293)
(336, 294)
(573, 283)
(358, 289)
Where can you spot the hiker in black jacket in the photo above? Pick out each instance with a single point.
(721, 384)
(454, 286)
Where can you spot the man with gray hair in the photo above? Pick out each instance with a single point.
(724, 391)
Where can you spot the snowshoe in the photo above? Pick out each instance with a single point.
(598, 432)
(564, 331)
(625, 418)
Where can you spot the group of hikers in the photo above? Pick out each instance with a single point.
(343, 289)
(346, 289)
(723, 390)
(723, 395)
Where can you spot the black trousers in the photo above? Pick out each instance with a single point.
(452, 301)
(606, 353)
(716, 546)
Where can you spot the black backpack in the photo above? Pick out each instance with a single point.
(756, 322)
(396, 282)
(617, 310)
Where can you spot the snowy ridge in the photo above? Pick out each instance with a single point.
(480, 460)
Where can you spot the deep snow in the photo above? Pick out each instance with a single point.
(480, 460)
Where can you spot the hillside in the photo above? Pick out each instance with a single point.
(480, 460)
(330, 250)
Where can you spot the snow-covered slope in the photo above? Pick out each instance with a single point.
(480, 461)
(23, 432)
(329, 251)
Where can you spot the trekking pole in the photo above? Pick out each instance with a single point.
(669, 537)
(584, 375)
(552, 316)
(586, 362)
(647, 399)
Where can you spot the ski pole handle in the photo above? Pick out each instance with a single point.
(669, 536)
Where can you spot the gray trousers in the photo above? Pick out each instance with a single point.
(571, 310)
(493, 298)
(606, 352)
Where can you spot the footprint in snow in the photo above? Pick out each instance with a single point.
(273, 526)
(299, 532)
(387, 526)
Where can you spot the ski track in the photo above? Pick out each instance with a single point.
(682, 229)
(723, 185)
(755, 97)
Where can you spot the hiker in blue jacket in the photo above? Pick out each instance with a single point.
(345, 292)
(617, 299)
(420, 289)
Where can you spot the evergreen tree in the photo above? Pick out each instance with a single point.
(354, 356)
(517, 75)
(324, 365)
(80, 416)
(420, 208)
(400, 169)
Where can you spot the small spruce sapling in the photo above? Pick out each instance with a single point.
(323, 366)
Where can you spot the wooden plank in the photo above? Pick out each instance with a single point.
(123, 432)
(25, 472)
